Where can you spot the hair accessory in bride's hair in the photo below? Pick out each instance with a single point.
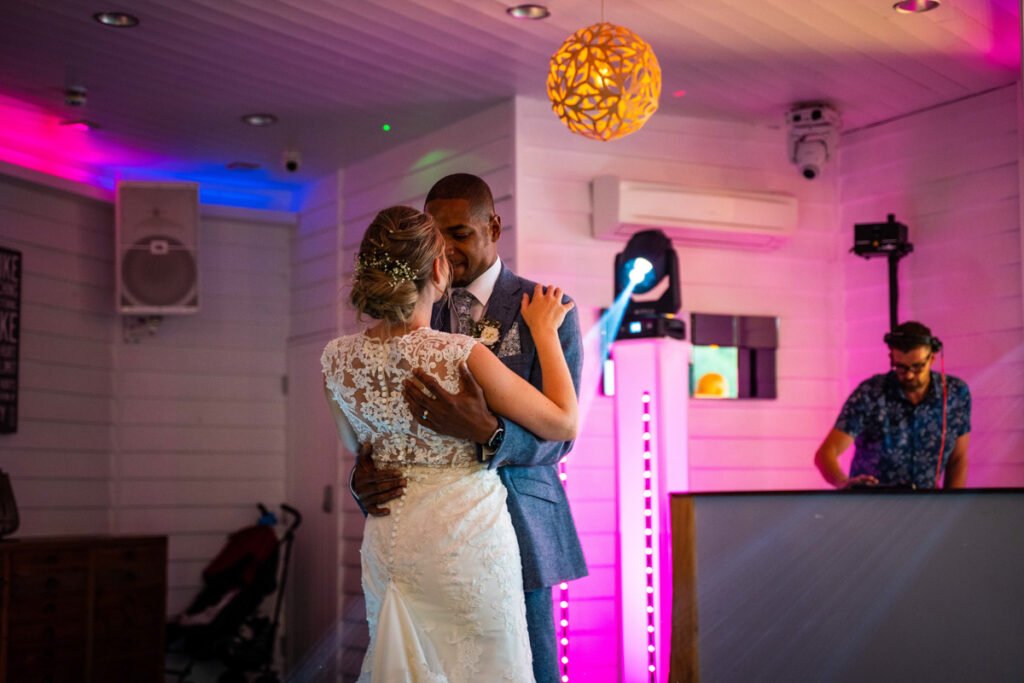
(397, 269)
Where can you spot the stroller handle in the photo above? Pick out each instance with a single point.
(296, 516)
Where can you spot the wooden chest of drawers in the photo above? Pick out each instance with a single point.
(82, 609)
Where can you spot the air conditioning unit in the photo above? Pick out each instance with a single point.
(156, 248)
(758, 220)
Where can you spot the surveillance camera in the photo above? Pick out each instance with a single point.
(292, 161)
(813, 137)
(809, 154)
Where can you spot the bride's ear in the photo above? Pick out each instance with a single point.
(439, 276)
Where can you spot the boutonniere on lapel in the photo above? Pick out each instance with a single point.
(487, 330)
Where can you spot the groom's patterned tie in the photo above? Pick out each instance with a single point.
(462, 302)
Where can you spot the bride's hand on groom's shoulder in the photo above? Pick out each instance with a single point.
(545, 310)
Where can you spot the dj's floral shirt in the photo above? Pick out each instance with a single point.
(896, 441)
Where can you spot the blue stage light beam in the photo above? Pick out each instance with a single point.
(597, 344)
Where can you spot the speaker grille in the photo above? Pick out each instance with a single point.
(158, 271)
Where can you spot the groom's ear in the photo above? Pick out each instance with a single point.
(494, 227)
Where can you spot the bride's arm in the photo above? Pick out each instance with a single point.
(552, 414)
(345, 431)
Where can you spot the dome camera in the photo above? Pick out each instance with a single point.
(813, 137)
(809, 156)
(292, 160)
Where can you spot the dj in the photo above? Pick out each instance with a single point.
(911, 425)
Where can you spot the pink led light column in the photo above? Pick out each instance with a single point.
(563, 605)
(651, 462)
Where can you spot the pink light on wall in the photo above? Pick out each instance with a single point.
(1004, 36)
(32, 138)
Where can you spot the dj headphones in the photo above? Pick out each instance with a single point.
(912, 341)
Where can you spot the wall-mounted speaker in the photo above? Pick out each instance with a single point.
(157, 256)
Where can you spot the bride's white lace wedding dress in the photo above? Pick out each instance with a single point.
(441, 573)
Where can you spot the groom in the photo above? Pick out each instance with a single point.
(485, 303)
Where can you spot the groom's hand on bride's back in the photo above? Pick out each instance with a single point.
(374, 487)
(464, 415)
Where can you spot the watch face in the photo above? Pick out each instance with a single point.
(496, 439)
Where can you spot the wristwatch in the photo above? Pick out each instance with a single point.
(494, 443)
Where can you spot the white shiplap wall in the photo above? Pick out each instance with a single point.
(733, 445)
(952, 175)
(178, 434)
(60, 458)
(312, 436)
(199, 406)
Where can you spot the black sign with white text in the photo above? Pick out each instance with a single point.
(10, 334)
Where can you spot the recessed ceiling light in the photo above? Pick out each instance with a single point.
(915, 6)
(243, 166)
(529, 12)
(80, 124)
(260, 119)
(117, 19)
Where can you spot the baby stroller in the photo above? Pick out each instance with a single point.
(223, 622)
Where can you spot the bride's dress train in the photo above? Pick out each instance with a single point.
(441, 574)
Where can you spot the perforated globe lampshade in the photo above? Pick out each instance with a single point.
(604, 82)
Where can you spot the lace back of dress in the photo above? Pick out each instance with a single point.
(365, 376)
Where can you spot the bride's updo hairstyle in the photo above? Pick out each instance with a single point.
(394, 264)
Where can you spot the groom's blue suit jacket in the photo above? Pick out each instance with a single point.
(527, 465)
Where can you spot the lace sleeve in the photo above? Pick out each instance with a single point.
(329, 358)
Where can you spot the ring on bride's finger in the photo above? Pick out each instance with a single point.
(424, 415)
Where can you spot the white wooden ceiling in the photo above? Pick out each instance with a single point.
(334, 70)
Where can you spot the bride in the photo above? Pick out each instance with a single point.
(441, 573)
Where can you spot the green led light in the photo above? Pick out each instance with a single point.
(386, 127)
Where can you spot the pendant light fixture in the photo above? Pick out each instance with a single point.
(604, 81)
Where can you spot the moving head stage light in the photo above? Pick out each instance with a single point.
(881, 239)
(649, 267)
